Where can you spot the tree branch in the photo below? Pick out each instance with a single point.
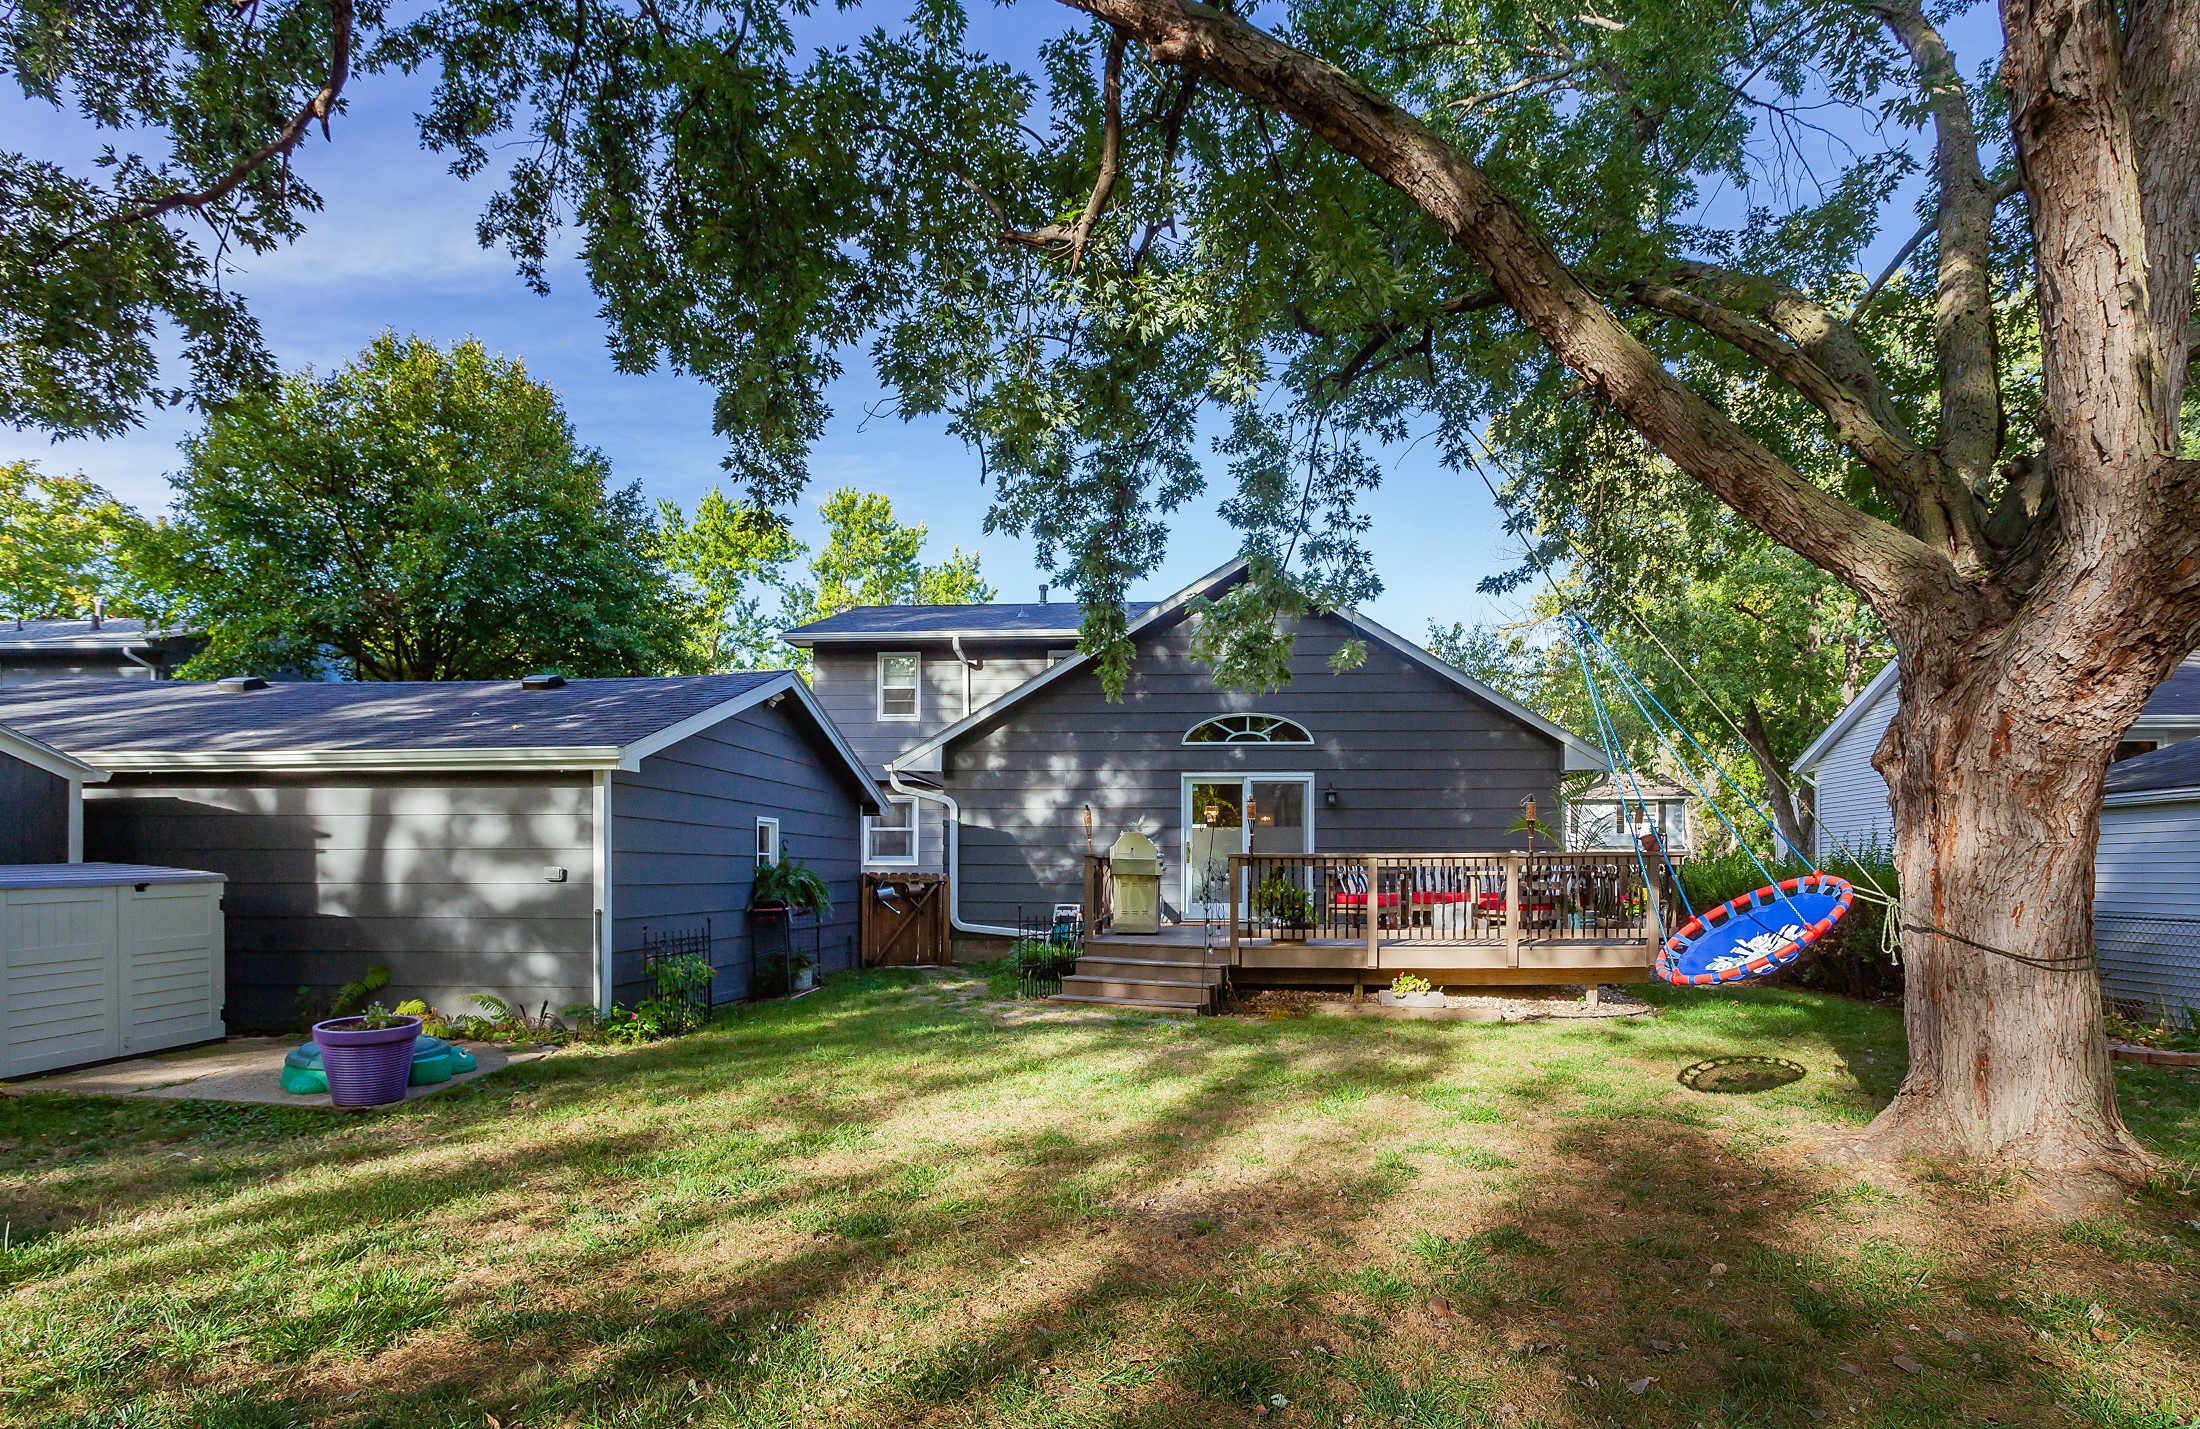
(2009, 187)
(316, 109)
(1886, 565)
(1891, 454)
(1963, 320)
(2162, 76)
(1111, 149)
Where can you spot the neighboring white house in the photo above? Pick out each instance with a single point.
(1852, 799)
(1606, 815)
(2146, 880)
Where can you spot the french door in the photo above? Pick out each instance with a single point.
(1231, 813)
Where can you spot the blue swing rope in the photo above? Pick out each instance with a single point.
(1609, 732)
(1627, 686)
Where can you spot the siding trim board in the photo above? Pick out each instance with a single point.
(606, 929)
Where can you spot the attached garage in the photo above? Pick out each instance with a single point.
(104, 960)
(517, 838)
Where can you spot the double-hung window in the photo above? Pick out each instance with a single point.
(767, 840)
(899, 677)
(890, 837)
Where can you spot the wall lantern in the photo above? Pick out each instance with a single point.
(1329, 797)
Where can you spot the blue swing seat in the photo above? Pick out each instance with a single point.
(1757, 933)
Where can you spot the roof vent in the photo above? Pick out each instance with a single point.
(240, 684)
(1042, 595)
(542, 682)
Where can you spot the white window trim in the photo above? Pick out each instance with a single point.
(917, 691)
(762, 823)
(915, 832)
(1189, 743)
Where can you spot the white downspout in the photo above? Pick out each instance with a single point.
(152, 671)
(954, 876)
(968, 664)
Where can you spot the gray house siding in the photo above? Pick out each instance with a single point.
(34, 813)
(1418, 764)
(442, 877)
(2146, 914)
(845, 683)
(684, 842)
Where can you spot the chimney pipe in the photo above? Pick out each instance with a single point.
(1042, 595)
(99, 610)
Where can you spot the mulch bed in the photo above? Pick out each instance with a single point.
(1512, 1004)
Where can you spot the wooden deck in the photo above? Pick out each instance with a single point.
(1455, 919)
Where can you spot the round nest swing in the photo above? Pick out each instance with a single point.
(1757, 933)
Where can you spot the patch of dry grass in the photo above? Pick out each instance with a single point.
(881, 1206)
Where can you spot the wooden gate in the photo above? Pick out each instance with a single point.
(904, 920)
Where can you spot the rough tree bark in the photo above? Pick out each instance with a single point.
(2021, 661)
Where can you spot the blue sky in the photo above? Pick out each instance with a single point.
(395, 248)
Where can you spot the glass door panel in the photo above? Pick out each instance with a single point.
(1216, 830)
(1276, 816)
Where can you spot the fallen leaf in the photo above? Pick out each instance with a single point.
(2105, 1335)
(2095, 1313)
(1641, 1386)
(1440, 1307)
(1718, 1267)
(1908, 1365)
(1663, 1347)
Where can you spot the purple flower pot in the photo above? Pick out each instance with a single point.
(366, 1066)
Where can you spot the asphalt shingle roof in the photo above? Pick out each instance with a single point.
(92, 716)
(61, 634)
(1053, 620)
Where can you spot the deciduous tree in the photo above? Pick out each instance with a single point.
(415, 515)
(62, 540)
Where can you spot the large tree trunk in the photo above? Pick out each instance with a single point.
(1994, 764)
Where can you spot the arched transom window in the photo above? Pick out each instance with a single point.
(1248, 729)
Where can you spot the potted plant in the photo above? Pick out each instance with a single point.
(1286, 905)
(1406, 990)
(780, 891)
(368, 1058)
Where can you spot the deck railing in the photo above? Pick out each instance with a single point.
(1387, 899)
(1099, 893)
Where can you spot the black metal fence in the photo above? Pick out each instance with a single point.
(1047, 948)
(677, 965)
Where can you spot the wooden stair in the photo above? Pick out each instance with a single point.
(1142, 976)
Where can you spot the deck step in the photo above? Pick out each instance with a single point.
(1170, 1009)
(1104, 965)
(1190, 994)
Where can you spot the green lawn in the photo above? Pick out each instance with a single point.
(882, 1206)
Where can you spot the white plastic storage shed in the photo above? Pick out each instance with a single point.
(104, 960)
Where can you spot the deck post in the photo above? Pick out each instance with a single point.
(1512, 910)
(1373, 907)
(1236, 878)
(1589, 996)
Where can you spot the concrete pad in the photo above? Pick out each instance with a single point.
(246, 1070)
